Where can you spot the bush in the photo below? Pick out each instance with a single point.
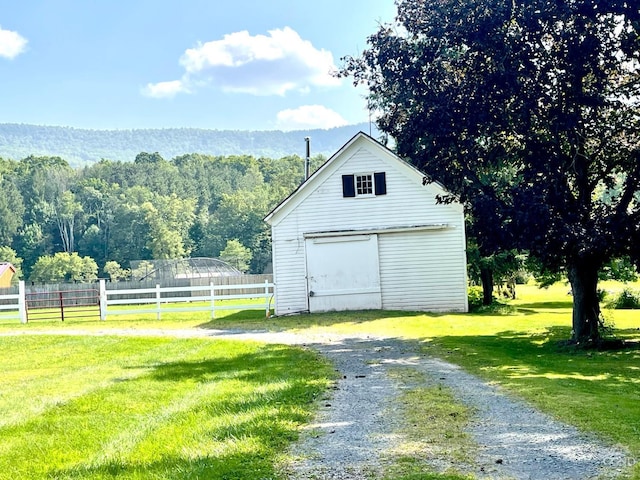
(475, 297)
(626, 299)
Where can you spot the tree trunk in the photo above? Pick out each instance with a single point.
(583, 276)
(486, 276)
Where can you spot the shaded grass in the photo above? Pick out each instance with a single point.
(145, 408)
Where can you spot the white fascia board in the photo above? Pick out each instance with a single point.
(366, 231)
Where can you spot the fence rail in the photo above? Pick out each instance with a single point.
(159, 299)
(13, 305)
(68, 304)
(208, 295)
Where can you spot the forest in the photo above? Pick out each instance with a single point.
(64, 223)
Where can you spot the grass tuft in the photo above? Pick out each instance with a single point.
(435, 444)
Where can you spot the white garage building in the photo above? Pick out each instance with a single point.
(364, 232)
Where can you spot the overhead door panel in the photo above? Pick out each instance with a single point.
(343, 273)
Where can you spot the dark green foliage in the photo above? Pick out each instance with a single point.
(529, 112)
(626, 299)
(621, 269)
(151, 208)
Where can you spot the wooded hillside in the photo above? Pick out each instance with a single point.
(81, 147)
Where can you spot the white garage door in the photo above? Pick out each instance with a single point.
(343, 273)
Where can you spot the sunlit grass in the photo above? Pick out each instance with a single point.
(151, 408)
(518, 347)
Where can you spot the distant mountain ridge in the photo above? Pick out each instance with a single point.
(84, 146)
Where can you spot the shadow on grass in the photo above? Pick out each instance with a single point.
(546, 347)
(238, 466)
(503, 309)
(597, 390)
(252, 319)
(245, 422)
(545, 305)
(269, 361)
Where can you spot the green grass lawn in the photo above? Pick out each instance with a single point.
(151, 408)
(518, 347)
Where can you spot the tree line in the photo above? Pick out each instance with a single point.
(64, 223)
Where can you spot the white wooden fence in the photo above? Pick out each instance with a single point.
(207, 296)
(15, 304)
(160, 300)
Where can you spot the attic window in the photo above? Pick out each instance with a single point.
(364, 185)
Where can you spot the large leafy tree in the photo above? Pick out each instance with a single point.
(169, 219)
(528, 110)
(11, 209)
(8, 254)
(64, 266)
(236, 255)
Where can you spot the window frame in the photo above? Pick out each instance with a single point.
(371, 186)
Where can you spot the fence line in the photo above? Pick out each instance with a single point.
(163, 295)
(42, 292)
(156, 297)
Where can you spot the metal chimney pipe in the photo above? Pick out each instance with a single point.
(307, 160)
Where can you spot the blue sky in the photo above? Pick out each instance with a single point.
(220, 64)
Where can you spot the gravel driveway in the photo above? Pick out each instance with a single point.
(358, 423)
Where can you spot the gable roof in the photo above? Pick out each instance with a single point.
(4, 266)
(358, 140)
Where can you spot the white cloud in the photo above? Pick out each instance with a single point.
(309, 116)
(12, 43)
(272, 64)
(165, 89)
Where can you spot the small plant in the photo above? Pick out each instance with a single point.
(475, 296)
(626, 299)
(607, 327)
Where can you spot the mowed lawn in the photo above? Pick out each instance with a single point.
(521, 347)
(55, 392)
(100, 407)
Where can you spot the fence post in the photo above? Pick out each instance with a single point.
(103, 300)
(22, 302)
(267, 312)
(158, 301)
(61, 298)
(213, 300)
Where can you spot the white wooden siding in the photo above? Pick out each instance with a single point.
(289, 274)
(405, 203)
(320, 206)
(423, 271)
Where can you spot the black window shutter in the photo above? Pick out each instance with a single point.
(380, 183)
(348, 186)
